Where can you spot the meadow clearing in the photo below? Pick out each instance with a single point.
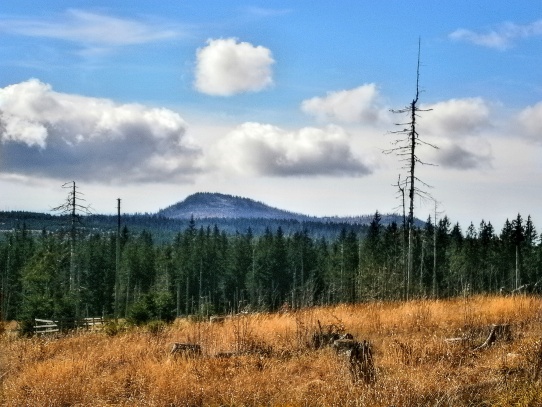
(424, 355)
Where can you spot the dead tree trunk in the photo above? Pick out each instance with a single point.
(406, 151)
(498, 332)
(71, 207)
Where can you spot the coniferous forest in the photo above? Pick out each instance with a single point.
(204, 270)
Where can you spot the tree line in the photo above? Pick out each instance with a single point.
(164, 229)
(205, 270)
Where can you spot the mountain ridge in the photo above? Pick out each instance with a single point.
(205, 205)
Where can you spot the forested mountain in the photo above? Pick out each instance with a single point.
(206, 205)
(214, 205)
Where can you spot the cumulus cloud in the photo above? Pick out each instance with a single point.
(456, 117)
(359, 105)
(456, 127)
(225, 67)
(263, 149)
(501, 37)
(65, 136)
(530, 122)
(90, 30)
(464, 157)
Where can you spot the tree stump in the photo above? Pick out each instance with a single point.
(360, 358)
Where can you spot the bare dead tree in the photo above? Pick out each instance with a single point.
(117, 262)
(401, 191)
(435, 229)
(405, 147)
(73, 207)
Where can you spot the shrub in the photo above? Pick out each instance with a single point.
(156, 327)
(26, 327)
(113, 328)
(153, 306)
(139, 313)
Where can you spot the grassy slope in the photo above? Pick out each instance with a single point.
(415, 365)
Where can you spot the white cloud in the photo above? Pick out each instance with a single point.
(456, 127)
(359, 105)
(18, 129)
(225, 67)
(530, 122)
(59, 135)
(91, 30)
(455, 117)
(500, 38)
(263, 149)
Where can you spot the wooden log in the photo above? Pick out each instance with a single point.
(456, 341)
(186, 349)
(226, 355)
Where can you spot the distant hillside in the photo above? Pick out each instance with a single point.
(230, 214)
(207, 205)
(204, 205)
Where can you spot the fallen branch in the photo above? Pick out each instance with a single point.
(497, 332)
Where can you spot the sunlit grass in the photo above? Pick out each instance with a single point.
(273, 363)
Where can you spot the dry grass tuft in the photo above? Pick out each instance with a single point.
(266, 359)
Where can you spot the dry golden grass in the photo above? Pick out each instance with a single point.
(273, 365)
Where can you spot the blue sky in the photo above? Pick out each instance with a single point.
(286, 102)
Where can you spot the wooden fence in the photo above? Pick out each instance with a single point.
(47, 326)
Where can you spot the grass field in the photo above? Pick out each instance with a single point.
(271, 362)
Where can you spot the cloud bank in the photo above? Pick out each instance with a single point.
(225, 67)
(359, 105)
(502, 37)
(62, 136)
(263, 149)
